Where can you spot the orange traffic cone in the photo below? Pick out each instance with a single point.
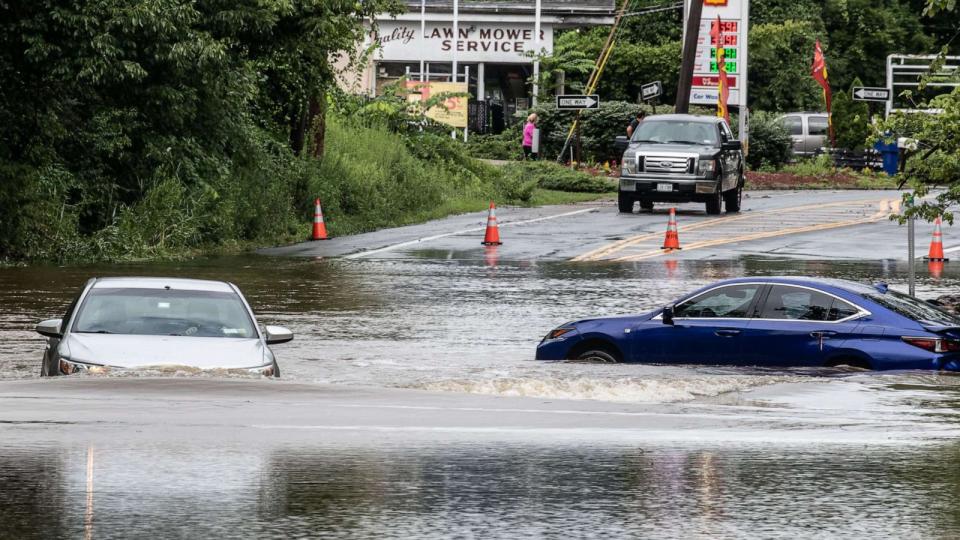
(492, 236)
(319, 228)
(672, 240)
(936, 244)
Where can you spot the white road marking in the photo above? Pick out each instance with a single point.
(473, 229)
(951, 250)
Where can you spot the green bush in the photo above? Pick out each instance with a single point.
(504, 146)
(548, 175)
(371, 177)
(769, 142)
(851, 120)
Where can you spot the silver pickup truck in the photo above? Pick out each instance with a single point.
(681, 158)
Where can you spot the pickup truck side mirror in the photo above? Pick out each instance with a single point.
(621, 143)
(667, 315)
(732, 145)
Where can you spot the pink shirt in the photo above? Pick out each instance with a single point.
(528, 134)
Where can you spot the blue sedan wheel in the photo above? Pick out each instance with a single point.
(597, 356)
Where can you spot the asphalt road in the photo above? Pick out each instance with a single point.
(821, 225)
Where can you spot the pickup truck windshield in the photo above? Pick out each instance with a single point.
(675, 131)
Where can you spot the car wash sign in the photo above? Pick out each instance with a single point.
(734, 15)
(486, 41)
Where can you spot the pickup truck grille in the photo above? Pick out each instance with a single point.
(667, 164)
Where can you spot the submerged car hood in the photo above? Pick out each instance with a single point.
(125, 351)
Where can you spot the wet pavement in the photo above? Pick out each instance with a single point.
(820, 225)
(411, 407)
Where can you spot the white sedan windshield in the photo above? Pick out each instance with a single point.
(161, 312)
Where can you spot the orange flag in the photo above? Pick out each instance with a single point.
(819, 72)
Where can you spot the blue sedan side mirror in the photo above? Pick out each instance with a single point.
(668, 315)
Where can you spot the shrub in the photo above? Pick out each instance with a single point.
(503, 146)
(769, 142)
(548, 175)
(851, 120)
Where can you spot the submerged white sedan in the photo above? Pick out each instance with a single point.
(138, 323)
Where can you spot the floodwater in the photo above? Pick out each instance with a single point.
(886, 465)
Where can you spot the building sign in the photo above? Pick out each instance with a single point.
(478, 42)
(454, 110)
(733, 18)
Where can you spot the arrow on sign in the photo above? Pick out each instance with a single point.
(651, 90)
(861, 93)
(578, 102)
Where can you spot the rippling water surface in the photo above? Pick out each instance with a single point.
(470, 327)
(442, 324)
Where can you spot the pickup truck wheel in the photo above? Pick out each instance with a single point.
(731, 199)
(625, 203)
(713, 205)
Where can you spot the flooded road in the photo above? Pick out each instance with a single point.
(444, 321)
(411, 407)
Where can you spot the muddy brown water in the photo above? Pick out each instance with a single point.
(444, 323)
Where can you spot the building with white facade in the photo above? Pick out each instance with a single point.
(492, 48)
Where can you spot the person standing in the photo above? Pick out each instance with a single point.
(635, 122)
(528, 129)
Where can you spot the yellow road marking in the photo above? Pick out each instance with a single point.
(620, 245)
(886, 208)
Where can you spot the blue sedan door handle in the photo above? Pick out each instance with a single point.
(726, 332)
(821, 335)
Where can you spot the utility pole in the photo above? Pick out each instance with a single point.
(456, 39)
(536, 50)
(911, 250)
(689, 56)
(423, 36)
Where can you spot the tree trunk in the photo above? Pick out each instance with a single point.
(318, 113)
(298, 130)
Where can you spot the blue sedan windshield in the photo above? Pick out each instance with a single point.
(914, 309)
(161, 312)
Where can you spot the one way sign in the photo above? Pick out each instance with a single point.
(862, 93)
(574, 102)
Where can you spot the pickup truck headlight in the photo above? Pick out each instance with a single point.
(629, 165)
(706, 166)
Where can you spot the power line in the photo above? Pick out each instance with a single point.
(655, 9)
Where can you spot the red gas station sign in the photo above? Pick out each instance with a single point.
(707, 80)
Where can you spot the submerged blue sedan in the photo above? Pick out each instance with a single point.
(774, 321)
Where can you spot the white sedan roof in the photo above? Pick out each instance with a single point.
(161, 283)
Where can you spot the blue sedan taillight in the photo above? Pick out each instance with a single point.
(936, 345)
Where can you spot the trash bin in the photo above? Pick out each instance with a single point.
(891, 156)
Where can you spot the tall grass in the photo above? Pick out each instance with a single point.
(371, 178)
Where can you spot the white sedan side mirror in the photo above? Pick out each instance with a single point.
(50, 328)
(278, 334)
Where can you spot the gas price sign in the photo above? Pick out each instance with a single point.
(734, 24)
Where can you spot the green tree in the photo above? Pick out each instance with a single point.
(851, 119)
(780, 56)
(936, 161)
(863, 32)
(104, 101)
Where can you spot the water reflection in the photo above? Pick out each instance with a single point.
(481, 490)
